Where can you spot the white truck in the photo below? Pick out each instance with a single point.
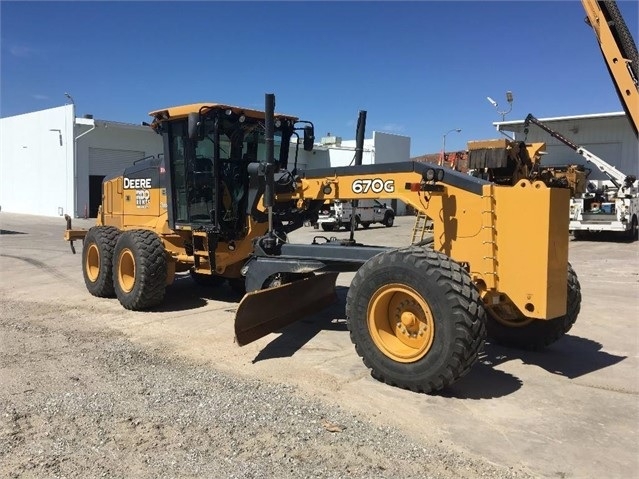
(606, 208)
(337, 214)
(596, 208)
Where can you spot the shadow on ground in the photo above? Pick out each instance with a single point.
(571, 357)
(185, 294)
(604, 237)
(296, 335)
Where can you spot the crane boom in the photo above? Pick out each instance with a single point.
(619, 51)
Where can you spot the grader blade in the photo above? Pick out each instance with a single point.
(268, 310)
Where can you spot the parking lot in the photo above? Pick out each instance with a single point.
(571, 411)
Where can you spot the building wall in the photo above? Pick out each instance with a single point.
(36, 162)
(391, 148)
(608, 136)
(344, 153)
(306, 160)
(37, 165)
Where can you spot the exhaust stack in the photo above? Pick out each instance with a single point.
(359, 153)
(269, 167)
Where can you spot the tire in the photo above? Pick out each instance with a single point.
(535, 334)
(139, 270)
(389, 219)
(207, 280)
(327, 227)
(97, 260)
(624, 37)
(416, 319)
(428, 242)
(633, 232)
(366, 225)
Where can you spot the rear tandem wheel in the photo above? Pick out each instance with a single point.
(97, 260)
(523, 332)
(139, 269)
(416, 319)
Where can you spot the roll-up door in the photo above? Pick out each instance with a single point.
(104, 161)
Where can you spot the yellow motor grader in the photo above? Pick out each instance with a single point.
(222, 200)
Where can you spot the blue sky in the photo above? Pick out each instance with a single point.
(418, 68)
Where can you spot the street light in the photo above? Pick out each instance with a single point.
(509, 99)
(458, 130)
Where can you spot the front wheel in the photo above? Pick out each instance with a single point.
(139, 269)
(517, 330)
(389, 219)
(416, 319)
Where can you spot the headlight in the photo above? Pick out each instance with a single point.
(430, 174)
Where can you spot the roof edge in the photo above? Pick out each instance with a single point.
(563, 118)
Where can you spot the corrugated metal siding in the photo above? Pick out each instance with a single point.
(104, 161)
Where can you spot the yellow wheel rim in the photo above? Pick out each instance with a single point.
(400, 323)
(126, 270)
(92, 262)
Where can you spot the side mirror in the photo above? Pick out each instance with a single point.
(194, 126)
(309, 138)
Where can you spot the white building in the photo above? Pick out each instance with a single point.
(39, 173)
(607, 135)
(334, 152)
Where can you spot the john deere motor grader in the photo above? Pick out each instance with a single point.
(220, 205)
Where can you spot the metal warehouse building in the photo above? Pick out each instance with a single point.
(607, 135)
(41, 175)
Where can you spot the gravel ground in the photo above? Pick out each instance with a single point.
(80, 401)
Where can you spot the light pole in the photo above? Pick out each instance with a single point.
(458, 130)
(509, 99)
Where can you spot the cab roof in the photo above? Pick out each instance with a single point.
(184, 110)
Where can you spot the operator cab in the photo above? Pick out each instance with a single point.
(209, 149)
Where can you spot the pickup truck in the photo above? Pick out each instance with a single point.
(337, 214)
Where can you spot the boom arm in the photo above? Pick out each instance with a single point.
(619, 51)
(616, 176)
